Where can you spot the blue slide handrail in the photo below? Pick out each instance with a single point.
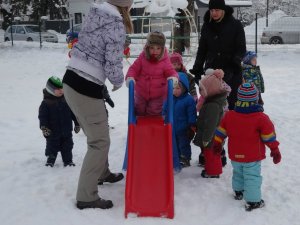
(131, 113)
(169, 118)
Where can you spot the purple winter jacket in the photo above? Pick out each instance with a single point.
(99, 50)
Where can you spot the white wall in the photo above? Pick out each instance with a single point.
(79, 6)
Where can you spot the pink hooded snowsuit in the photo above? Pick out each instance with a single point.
(150, 82)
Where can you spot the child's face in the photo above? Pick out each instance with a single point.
(155, 50)
(253, 61)
(176, 66)
(177, 91)
(58, 92)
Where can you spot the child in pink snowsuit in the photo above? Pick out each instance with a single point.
(150, 73)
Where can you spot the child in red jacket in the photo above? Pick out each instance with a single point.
(248, 130)
(150, 72)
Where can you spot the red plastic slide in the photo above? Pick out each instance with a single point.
(149, 179)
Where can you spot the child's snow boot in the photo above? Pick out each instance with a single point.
(238, 195)
(254, 205)
(205, 175)
(69, 164)
(184, 162)
(201, 160)
(50, 160)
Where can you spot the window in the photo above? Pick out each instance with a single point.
(32, 29)
(20, 30)
(78, 18)
(13, 29)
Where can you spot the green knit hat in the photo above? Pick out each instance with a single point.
(53, 83)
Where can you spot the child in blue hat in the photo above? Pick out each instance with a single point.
(252, 74)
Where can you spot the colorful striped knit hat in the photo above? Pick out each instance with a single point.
(247, 93)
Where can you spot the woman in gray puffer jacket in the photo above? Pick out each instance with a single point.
(96, 56)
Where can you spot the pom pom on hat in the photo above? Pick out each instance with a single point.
(52, 84)
(248, 57)
(247, 93)
(212, 84)
(156, 38)
(121, 3)
(216, 4)
(176, 58)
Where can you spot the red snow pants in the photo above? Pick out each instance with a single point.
(213, 163)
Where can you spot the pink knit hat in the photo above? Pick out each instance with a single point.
(176, 58)
(212, 84)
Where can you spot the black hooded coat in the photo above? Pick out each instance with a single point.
(222, 45)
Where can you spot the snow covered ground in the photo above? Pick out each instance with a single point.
(32, 194)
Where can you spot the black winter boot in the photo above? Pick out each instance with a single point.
(69, 164)
(205, 175)
(201, 160)
(238, 195)
(111, 178)
(50, 160)
(254, 205)
(100, 203)
(184, 162)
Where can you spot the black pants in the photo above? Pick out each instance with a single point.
(61, 144)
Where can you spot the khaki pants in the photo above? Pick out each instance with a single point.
(92, 117)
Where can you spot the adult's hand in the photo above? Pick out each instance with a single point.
(197, 75)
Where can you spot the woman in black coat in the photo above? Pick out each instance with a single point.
(222, 45)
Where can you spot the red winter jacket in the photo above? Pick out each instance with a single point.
(247, 135)
(151, 77)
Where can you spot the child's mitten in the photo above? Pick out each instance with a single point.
(128, 81)
(275, 154)
(46, 131)
(175, 80)
(126, 52)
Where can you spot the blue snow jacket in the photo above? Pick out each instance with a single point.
(55, 114)
(185, 114)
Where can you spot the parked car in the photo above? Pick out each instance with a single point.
(28, 32)
(285, 30)
(71, 34)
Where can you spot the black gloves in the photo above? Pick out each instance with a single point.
(106, 96)
(46, 131)
(76, 129)
(197, 75)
